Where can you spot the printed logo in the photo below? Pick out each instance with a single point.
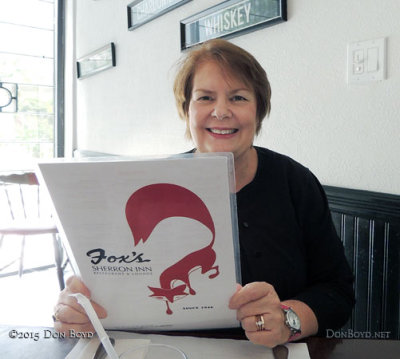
(151, 204)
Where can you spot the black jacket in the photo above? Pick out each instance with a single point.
(287, 238)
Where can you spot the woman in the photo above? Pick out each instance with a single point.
(296, 281)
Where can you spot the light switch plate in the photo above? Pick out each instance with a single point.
(366, 61)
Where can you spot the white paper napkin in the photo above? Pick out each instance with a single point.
(195, 348)
(86, 348)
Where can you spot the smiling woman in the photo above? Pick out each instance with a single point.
(295, 278)
(223, 95)
(232, 60)
(222, 112)
(286, 234)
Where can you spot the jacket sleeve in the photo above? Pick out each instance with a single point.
(330, 291)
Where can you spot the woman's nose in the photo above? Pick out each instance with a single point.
(221, 109)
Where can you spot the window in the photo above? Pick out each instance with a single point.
(29, 61)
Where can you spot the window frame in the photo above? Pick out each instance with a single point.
(59, 71)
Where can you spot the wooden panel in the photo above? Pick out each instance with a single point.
(368, 224)
(375, 276)
(361, 264)
(391, 309)
(364, 203)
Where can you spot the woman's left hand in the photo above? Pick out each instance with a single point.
(260, 298)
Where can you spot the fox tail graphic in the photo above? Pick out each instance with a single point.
(153, 203)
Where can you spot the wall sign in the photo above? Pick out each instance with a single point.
(142, 11)
(96, 61)
(231, 18)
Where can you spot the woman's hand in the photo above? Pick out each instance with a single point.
(69, 314)
(260, 298)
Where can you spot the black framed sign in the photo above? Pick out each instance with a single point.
(142, 11)
(96, 61)
(231, 18)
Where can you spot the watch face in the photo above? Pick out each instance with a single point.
(293, 320)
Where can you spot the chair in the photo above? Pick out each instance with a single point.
(25, 213)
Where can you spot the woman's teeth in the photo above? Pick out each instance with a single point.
(222, 132)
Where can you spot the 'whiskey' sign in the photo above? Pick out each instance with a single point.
(231, 18)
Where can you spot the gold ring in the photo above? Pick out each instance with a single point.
(260, 322)
(55, 316)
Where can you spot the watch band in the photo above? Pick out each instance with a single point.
(293, 337)
(294, 333)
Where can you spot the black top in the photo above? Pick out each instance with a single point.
(287, 239)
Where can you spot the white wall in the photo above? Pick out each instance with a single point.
(348, 135)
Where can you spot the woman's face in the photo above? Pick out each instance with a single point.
(222, 111)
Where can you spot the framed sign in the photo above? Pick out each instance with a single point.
(142, 11)
(96, 61)
(231, 18)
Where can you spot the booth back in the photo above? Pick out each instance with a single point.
(368, 224)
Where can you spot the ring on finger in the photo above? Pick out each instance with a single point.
(260, 322)
(55, 316)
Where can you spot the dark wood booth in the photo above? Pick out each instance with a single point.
(368, 224)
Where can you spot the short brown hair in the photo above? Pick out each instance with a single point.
(233, 58)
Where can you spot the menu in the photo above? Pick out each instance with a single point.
(154, 239)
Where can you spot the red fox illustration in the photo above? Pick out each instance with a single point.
(150, 205)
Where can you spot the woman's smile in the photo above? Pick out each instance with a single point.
(222, 132)
(222, 111)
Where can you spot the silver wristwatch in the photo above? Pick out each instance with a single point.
(292, 321)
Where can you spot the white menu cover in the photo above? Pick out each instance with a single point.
(155, 240)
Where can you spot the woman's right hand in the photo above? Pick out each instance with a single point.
(69, 315)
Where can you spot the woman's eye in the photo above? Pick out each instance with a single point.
(238, 98)
(204, 98)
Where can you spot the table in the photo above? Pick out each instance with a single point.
(43, 343)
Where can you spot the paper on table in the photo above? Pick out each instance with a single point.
(298, 351)
(86, 348)
(204, 348)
